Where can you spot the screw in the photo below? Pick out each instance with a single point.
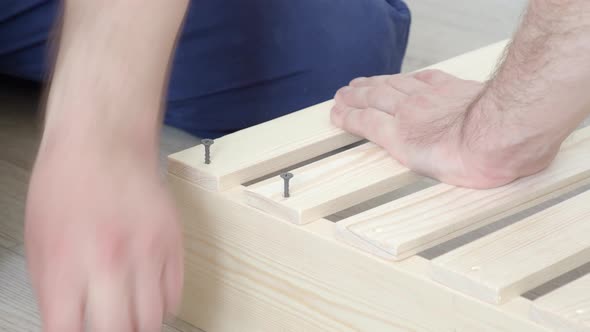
(207, 143)
(286, 177)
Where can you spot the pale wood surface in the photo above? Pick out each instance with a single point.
(247, 155)
(259, 273)
(521, 256)
(431, 216)
(331, 184)
(567, 308)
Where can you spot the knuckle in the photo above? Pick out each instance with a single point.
(111, 248)
(347, 120)
(353, 122)
(365, 118)
(151, 244)
(336, 116)
(419, 101)
(373, 95)
(358, 80)
(394, 80)
(342, 95)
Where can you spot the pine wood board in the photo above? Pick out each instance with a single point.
(521, 256)
(246, 155)
(331, 184)
(424, 219)
(567, 308)
(255, 272)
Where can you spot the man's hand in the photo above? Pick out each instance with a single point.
(103, 242)
(422, 120)
(483, 135)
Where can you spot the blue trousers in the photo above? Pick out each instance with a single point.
(242, 62)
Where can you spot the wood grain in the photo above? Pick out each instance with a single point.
(521, 256)
(249, 271)
(331, 184)
(567, 308)
(247, 155)
(419, 221)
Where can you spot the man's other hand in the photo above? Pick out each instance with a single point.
(103, 242)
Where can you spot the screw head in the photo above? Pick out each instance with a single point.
(207, 141)
(286, 176)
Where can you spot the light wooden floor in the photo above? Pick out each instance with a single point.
(441, 29)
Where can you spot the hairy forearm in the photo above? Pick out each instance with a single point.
(110, 74)
(538, 95)
(547, 65)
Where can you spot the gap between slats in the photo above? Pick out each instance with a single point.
(437, 214)
(522, 256)
(256, 151)
(565, 309)
(331, 184)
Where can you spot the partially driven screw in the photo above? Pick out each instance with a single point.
(286, 177)
(207, 143)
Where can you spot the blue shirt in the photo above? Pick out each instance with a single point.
(239, 63)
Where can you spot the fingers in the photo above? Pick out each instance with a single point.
(110, 300)
(369, 81)
(376, 126)
(172, 281)
(386, 92)
(380, 97)
(433, 77)
(149, 296)
(61, 300)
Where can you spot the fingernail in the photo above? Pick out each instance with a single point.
(358, 80)
(343, 94)
(345, 90)
(335, 115)
(336, 109)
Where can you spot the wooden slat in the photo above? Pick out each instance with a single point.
(262, 149)
(522, 256)
(331, 184)
(437, 214)
(567, 308)
(268, 147)
(255, 273)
